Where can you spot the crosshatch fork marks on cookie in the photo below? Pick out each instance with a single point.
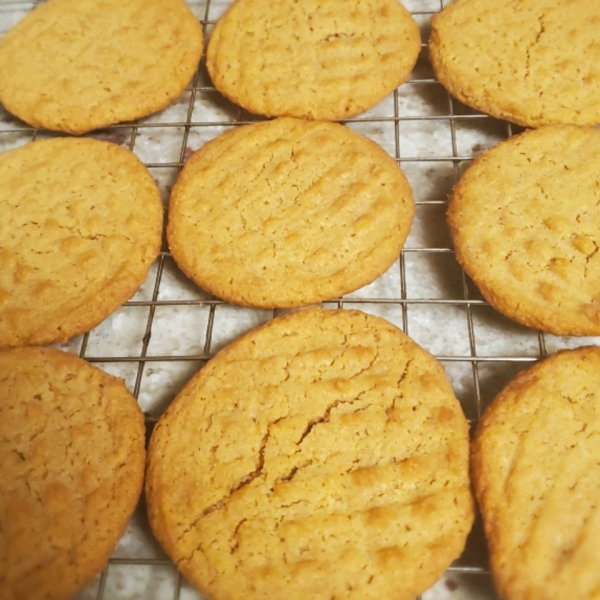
(275, 214)
(331, 436)
(536, 471)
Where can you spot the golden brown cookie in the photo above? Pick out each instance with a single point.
(72, 456)
(288, 212)
(320, 456)
(525, 223)
(536, 468)
(311, 59)
(532, 62)
(80, 225)
(77, 66)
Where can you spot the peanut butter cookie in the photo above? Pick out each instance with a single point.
(321, 456)
(525, 223)
(72, 456)
(536, 469)
(288, 212)
(311, 59)
(77, 66)
(80, 224)
(532, 62)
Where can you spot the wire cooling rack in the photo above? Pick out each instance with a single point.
(170, 328)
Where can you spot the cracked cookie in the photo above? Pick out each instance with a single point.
(77, 66)
(311, 59)
(287, 213)
(72, 455)
(525, 223)
(536, 471)
(80, 224)
(532, 62)
(320, 456)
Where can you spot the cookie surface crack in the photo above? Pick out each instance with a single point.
(539, 34)
(322, 419)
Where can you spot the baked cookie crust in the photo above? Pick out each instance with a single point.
(287, 213)
(80, 224)
(78, 66)
(311, 59)
(532, 62)
(319, 456)
(72, 455)
(525, 224)
(536, 471)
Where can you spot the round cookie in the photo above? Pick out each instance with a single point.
(72, 456)
(287, 213)
(311, 59)
(532, 62)
(318, 456)
(77, 66)
(536, 471)
(525, 223)
(80, 224)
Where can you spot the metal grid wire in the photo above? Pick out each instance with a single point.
(490, 351)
